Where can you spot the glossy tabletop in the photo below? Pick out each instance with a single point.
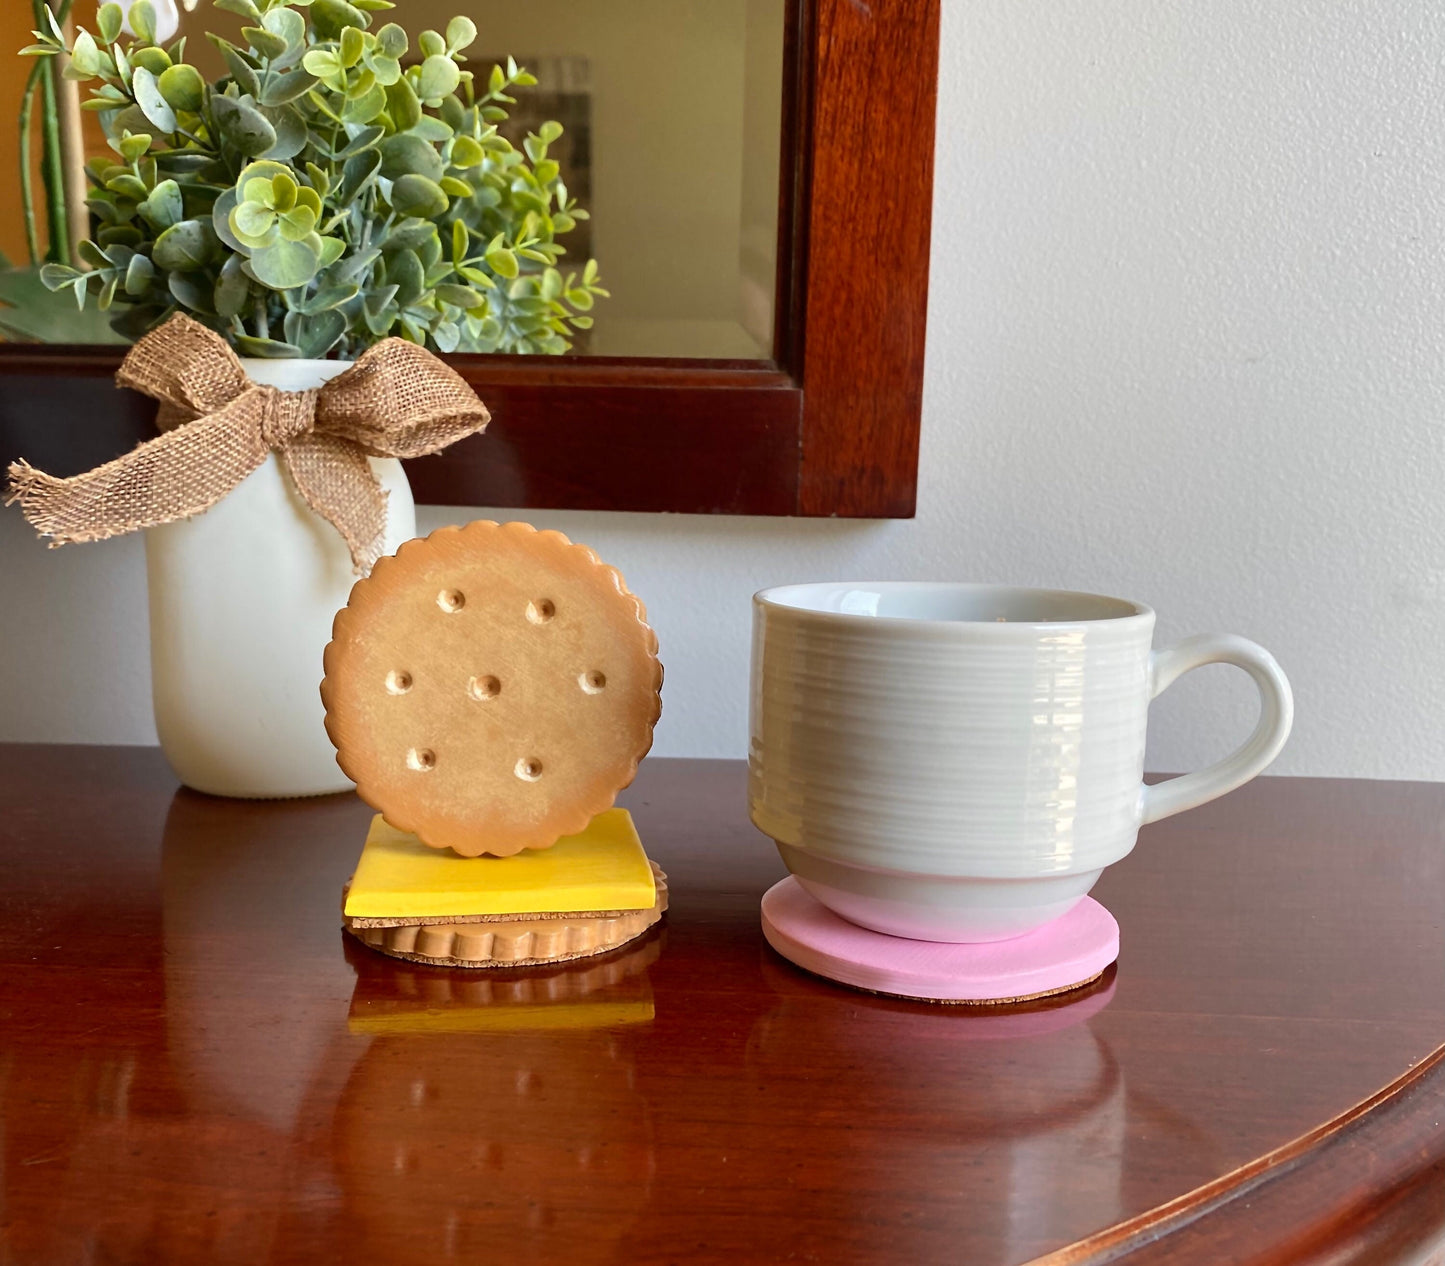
(196, 1065)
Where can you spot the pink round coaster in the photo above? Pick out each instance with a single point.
(1065, 954)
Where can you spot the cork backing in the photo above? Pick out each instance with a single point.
(493, 941)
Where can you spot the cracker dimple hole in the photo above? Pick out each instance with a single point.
(421, 759)
(484, 688)
(593, 683)
(398, 681)
(542, 610)
(528, 769)
(451, 600)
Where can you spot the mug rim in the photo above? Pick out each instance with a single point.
(776, 597)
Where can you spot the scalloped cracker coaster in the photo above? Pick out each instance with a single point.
(491, 688)
(524, 942)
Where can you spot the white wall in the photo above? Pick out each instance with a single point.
(1185, 344)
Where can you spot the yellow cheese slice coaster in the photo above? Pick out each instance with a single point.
(600, 868)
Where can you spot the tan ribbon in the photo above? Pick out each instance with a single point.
(397, 400)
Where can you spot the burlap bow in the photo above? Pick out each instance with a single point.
(397, 400)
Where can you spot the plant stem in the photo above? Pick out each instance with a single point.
(27, 181)
(263, 322)
(51, 168)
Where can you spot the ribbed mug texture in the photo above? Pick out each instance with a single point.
(946, 747)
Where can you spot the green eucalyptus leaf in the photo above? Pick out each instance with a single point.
(245, 8)
(407, 154)
(439, 78)
(416, 195)
(455, 188)
(550, 131)
(58, 276)
(297, 224)
(134, 145)
(410, 235)
(351, 46)
(332, 249)
(502, 262)
(358, 173)
(320, 179)
(387, 70)
(328, 297)
(461, 33)
(233, 289)
(431, 44)
(141, 19)
(264, 43)
(466, 153)
(242, 125)
(254, 224)
(85, 57)
(355, 268)
(460, 296)
(164, 207)
(391, 41)
(154, 60)
(363, 138)
(266, 348)
(280, 89)
(404, 270)
(185, 247)
(403, 105)
(330, 17)
(226, 204)
(183, 88)
(432, 129)
(247, 80)
(446, 335)
(286, 24)
(192, 292)
(128, 186)
(379, 297)
(108, 20)
(109, 282)
(365, 108)
(314, 335)
(285, 265)
(151, 100)
(290, 130)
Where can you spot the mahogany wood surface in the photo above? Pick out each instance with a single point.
(828, 425)
(197, 1065)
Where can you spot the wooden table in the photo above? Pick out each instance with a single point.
(196, 1065)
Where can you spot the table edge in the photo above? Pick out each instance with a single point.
(1365, 1177)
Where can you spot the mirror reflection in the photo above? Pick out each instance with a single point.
(654, 149)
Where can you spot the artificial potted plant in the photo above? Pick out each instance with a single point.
(333, 192)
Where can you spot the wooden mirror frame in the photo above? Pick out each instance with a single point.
(828, 426)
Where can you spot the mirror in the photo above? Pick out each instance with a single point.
(672, 128)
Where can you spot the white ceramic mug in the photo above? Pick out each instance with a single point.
(960, 762)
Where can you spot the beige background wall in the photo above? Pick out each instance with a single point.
(1186, 343)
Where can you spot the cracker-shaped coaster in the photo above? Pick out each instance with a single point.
(491, 688)
(499, 941)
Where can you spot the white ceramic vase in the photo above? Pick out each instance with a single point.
(241, 603)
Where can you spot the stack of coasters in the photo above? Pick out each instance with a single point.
(587, 894)
(491, 689)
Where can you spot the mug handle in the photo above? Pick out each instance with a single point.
(1276, 715)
